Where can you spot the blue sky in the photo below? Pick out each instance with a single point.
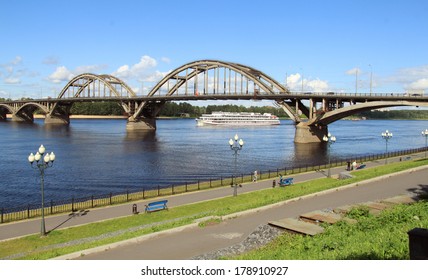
(45, 43)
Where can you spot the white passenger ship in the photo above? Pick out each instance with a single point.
(237, 119)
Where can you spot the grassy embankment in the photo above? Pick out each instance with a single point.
(373, 237)
(60, 242)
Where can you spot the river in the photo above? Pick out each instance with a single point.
(96, 157)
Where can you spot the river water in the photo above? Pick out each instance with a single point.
(96, 157)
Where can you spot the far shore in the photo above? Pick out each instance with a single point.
(38, 116)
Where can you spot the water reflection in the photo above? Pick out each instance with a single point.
(309, 154)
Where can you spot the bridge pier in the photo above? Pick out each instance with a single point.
(309, 133)
(22, 118)
(141, 124)
(57, 119)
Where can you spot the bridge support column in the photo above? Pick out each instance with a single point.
(141, 124)
(309, 133)
(22, 118)
(57, 119)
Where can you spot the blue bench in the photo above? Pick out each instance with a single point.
(361, 166)
(285, 182)
(156, 206)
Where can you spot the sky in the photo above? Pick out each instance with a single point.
(324, 45)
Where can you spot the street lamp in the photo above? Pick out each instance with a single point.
(235, 146)
(42, 162)
(425, 134)
(386, 135)
(371, 79)
(330, 139)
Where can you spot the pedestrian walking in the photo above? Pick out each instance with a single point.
(255, 176)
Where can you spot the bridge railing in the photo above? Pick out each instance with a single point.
(79, 206)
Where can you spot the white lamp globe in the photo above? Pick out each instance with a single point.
(38, 156)
(42, 149)
(46, 158)
(52, 156)
(31, 158)
(241, 142)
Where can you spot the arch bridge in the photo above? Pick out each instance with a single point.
(207, 80)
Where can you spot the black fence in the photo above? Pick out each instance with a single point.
(77, 204)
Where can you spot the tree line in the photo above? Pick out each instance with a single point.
(395, 114)
(170, 109)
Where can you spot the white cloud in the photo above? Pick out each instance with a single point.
(142, 70)
(421, 84)
(317, 85)
(17, 60)
(12, 80)
(88, 69)
(154, 77)
(414, 72)
(10, 72)
(354, 71)
(51, 60)
(411, 78)
(60, 75)
(3, 93)
(295, 83)
(166, 60)
(146, 62)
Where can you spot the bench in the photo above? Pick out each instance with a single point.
(361, 166)
(285, 182)
(156, 206)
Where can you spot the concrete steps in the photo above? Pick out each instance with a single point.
(309, 223)
(297, 226)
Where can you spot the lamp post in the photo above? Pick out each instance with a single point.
(235, 146)
(386, 135)
(42, 162)
(356, 81)
(425, 134)
(330, 139)
(371, 79)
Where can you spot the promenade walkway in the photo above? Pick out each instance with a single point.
(224, 234)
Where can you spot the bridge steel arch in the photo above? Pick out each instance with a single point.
(83, 83)
(88, 86)
(204, 78)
